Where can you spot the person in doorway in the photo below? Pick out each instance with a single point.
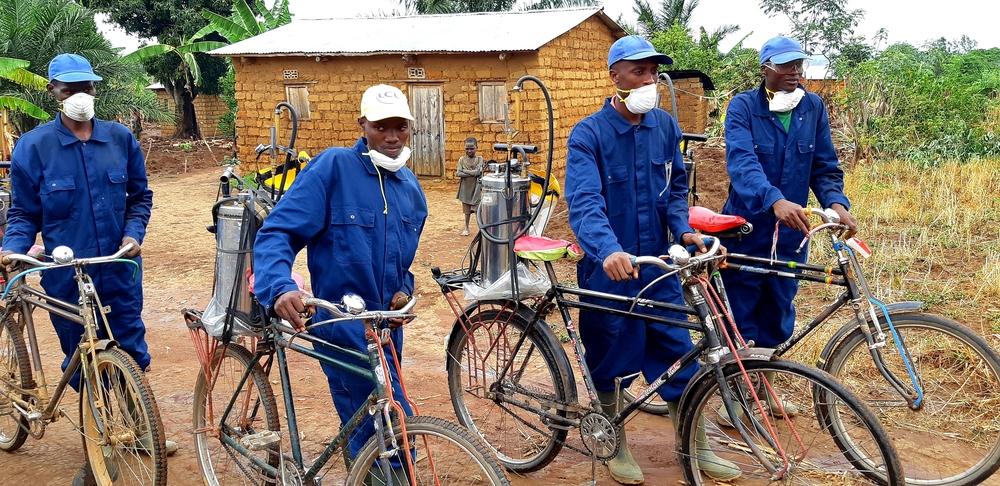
(626, 190)
(778, 147)
(360, 212)
(81, 182)
(470, 168)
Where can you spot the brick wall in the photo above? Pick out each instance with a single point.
(573, 67)
(692, 107)
(208, 108)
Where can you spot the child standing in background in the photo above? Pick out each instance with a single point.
(470, 167)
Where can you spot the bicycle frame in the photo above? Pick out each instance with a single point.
(380, 404)
(846, 274)
(28, 298)
(710, 348)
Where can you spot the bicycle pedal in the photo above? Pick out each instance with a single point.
(261, 440)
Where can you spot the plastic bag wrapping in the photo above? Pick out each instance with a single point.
(214, 321)
(529, 284)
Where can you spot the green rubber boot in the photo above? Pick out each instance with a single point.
(790, 408)
(622, 467)
(706, 460)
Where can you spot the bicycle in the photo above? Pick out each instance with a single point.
(511, 384)
(120, 424)
(933, 387)
(246, 437)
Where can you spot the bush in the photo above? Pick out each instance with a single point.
(924, 105)
(227, 91)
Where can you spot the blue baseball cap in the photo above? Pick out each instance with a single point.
(780, 50)
(71, 68)
(634, 48)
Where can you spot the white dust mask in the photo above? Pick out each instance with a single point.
(783, 101)
(389, 163)
(640, 100)
(79, 107)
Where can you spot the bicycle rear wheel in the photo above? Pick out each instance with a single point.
(518, 435)
(442, 452)
(814, 454)
(254, 411)
(16, 370)
(122, 432)
(953, 439)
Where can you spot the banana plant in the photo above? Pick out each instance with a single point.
(15, 71)
(242, 23)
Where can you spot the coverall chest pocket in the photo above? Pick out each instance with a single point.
(117, 179)
(57, 198)
(408, 239)
(617, 193)
(352, 230)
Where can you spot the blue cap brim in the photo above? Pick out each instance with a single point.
(76, 77)
(647, 55)
(788, 57)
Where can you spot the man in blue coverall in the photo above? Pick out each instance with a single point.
(778, 146)
(627, 194)
(360, 212)
(81, 182)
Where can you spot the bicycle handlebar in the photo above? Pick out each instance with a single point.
(681, 256)
(353, 308)
(34, 262)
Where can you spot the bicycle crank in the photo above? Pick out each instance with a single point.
(600, 436)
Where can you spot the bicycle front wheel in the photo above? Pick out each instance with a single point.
(507, 414)
(441, 453)
(254, 410)
(800, 447)
(122, 432)
(14, 370)
(953, 439)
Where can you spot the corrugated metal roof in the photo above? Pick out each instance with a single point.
(417, 34)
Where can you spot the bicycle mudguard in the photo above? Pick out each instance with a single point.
(746, 354)
(895, 308)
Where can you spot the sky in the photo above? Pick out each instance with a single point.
(912, 21)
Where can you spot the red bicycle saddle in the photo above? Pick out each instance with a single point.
(708, 221)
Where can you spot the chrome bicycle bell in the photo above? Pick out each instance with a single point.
(679, 254)
(353, 303)
(62, 254)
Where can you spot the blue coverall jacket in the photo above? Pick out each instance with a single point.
(767, 164)
(357, 242)
(87, 196)
(626, 190)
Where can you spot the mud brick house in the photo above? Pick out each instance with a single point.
(457, 71)
(208, 108)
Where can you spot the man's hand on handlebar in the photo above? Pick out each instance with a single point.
(846, 219)
(8, 265)
(290, 307)
(399, 300)
(791, 215)
(618, 266)
(133, 252)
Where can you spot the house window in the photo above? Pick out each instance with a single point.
(298, 97)
(492, 102)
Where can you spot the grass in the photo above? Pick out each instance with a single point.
(935, 234)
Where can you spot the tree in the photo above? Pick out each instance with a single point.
(174, 23)
(460, 6)
(35, 31)
(241, 24)
(822, 26)
(14, 71)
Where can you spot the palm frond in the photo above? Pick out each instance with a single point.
(226, 27)
(148, 52)
(246, 16)
(200, 46)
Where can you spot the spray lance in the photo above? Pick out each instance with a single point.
(275, 151)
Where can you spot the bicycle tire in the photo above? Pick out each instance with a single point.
(420, 429)
(16, 368)
(703, 399)
(119, 373)
(933, 342)
(242, 359)
(554, 370)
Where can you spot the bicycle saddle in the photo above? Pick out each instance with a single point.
(711, 223)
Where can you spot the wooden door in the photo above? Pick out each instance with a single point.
(427, 136)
